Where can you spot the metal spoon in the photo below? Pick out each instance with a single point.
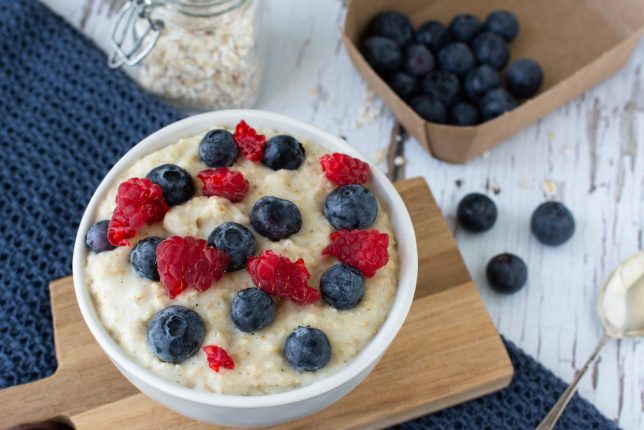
(620, 306)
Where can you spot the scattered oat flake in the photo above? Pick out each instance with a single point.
(551, 135)
(356, 124)
(399, 161)
(549, 187)
(314, 92)
(379, 155)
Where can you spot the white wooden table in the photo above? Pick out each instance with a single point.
(588, 154)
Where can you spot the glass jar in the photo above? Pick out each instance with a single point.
(197, 55)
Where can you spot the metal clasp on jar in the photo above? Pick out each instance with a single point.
(135, 31)
(133, 26)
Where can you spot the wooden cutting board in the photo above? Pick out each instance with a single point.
(447, 352)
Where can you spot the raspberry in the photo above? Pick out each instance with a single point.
(139, 201)
(224, 182)
(366, 250)
(183, 261)
(279, 276)
(343, 169)
(218, 357)
(249, 142)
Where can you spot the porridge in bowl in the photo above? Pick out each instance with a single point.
(242, 262)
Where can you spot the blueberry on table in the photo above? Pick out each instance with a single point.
(496, 102)
(275, 218)
(143, 258)
(507, 273)
(252, 309)
(456, 58)
(524, 78)
(307, 349)
(218, 149)
(442, 86)
(382, 54)
(236, 240)
(394, 26)
(403, 84)
(434, 35)
(283, 152)
(552, 223)
(491, 49)
(96, 237)
(464, 114)
(430, 109)
(418, 60)
(464, 27)
(502, 22)
(351, 207)
(342, 286)
(176, 183)
(481, 80)
(175, 333)
(476, 213)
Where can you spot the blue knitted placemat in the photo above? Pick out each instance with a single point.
(65, 118)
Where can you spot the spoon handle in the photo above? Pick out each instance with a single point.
(551, 419)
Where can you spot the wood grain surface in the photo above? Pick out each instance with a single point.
(447, 352)
(588, 154)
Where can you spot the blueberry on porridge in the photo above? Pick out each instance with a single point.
(242, 261)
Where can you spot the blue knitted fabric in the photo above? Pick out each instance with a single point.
(65, 118)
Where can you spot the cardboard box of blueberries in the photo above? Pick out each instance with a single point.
(462, 76)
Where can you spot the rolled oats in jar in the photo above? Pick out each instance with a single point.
(196, 54)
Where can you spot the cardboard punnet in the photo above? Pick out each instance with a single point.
(577, 42)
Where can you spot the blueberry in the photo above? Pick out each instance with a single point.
(481, 80)
(418, 60)
(442, 86)
(524, 78)
(351, 207)
(175, 333)
(434, 35)
(218, 149)
(495, 102)
(456, 58)
(503, 23)
(342, 286)
(307, 349)
(275, 218)
(464, 113)
(404, 85)
(395, 26)
(491, 49)
(552, 223)
(143, 258)
(382, 54)
(507, 273)
(236, 240)
(430, 109)
(476, 213)
(464, 27)
(252, 309)
(283, 152)
(96, 237)
(176, 183)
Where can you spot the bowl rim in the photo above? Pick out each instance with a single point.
(405, 236)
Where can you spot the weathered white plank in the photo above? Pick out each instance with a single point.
(589, 154)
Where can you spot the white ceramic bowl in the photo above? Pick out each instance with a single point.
(246, 411)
